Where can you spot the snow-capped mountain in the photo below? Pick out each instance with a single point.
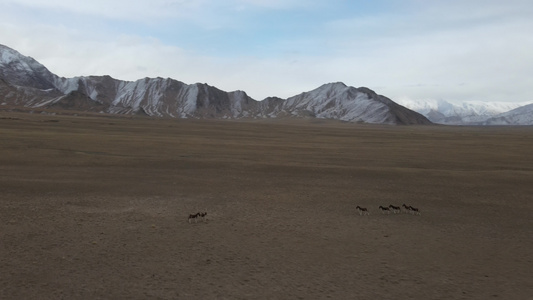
(338, 101)
(25, 82)
(23, 70)
(519, 116)
(466, 113)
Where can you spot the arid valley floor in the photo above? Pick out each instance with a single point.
(96, 208)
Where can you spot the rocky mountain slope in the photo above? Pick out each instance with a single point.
(25, 82)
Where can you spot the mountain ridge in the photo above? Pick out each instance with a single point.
(25, 82)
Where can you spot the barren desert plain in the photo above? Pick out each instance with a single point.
(94, 207)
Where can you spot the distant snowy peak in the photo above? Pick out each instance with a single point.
(462, 109)
(466, 113)
(519, 116)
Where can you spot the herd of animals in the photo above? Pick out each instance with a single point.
(391, 208)
(362, 211)
(198, 215)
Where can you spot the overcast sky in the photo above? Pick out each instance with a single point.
(455, 50)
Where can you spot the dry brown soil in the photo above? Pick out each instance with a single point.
(96, 208)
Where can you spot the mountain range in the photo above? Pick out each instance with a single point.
(24, 82)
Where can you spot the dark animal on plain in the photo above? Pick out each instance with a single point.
(384, 209)
(362, 210)
(194, 217)
(395, 209)
(415, 210)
